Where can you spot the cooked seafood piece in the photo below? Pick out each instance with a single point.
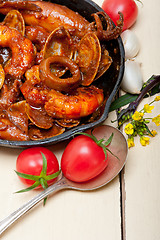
(33, 89)
(57, 83)
(104, 64)
(39, 134)
(83, 102)
(14, 123)
(88, 59)
(68, 123)
(56, 15)
(14, 19)
(49, 58)
(39, 117)
(37, 35)
(2, 76)
(23, 53)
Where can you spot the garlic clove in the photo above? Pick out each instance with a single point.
(131, 44)
(132, 81)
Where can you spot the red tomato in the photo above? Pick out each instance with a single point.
(83, 159)
(127, 7)
(30, 161)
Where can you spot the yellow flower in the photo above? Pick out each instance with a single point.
(129, 129)
(137, 116)
(154, 133)
(148, 108)
(130, 142)
(156, 120)
(157, 98)
(144, 140)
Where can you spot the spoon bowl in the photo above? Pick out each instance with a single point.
(116, 162)
(118, 147)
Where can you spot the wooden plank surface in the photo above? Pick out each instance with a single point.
(142, 171)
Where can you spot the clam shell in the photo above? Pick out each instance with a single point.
(15, 20)
(89, 55)
(59, 43)
(36, 133)
(39, 117)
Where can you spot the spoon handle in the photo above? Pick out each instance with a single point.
(4, 224)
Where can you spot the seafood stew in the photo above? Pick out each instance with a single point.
(54, 97)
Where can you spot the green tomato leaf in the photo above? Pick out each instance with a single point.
(44, 183)
(109, 140)
(112, 153)
(44, 169)
(88, 135)
(28, 176)
(36, 184)
(45, 200)
(52, 176)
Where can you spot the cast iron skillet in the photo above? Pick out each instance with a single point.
(109, 82)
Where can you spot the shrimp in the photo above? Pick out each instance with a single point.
(23, 52)
(33, 89)
(83, 102)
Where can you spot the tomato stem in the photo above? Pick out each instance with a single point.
(99, 142)
(39, 180)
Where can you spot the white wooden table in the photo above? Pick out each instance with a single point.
(127, 209)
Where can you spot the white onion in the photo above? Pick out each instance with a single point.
(131, 44)
(132, 80)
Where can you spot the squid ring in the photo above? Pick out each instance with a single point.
(60, 84)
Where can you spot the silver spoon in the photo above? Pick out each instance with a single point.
(118, 146)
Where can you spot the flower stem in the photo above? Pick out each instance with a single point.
(133, 105)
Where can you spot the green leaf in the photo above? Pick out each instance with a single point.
(44, 185)
(44, 169)
(43, 182)
(112, 153)
(88, 135)
(45, 200)
(36, 184)
(109, 140)
(148, 130)
(52, 176)
(105, 151)
(122, 101)
(28, 176)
